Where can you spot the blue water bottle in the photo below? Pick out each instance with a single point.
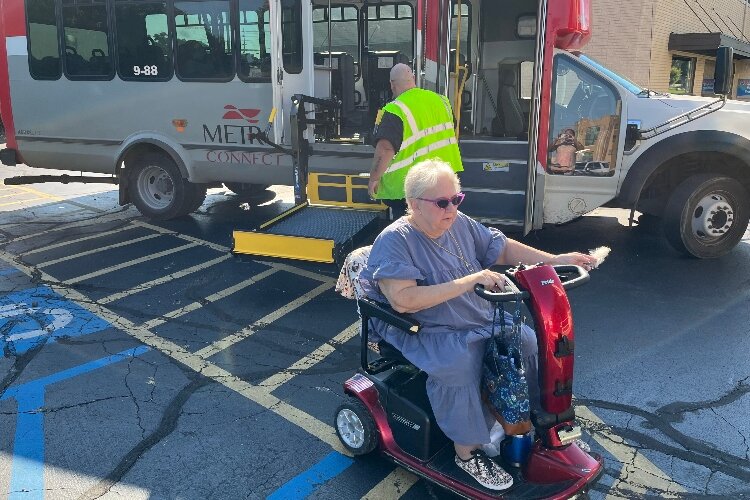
(516, 449)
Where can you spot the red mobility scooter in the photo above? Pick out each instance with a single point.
(387, 405)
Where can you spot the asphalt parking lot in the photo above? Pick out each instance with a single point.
(142, 360)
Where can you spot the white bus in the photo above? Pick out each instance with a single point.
(170, 96)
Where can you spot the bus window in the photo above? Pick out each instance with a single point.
(44, 47)
(204, 40)
(465, 32)
(344, 30)
(86, 30)
(291, 35)
(585, 126)
(255, 41)
(391, 27)
(143, 46)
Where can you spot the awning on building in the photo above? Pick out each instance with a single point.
(706, 44)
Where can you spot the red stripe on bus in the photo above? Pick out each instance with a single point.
(12, 23)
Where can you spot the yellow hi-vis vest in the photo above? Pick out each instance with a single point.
(428, 133)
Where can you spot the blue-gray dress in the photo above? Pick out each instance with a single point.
(450, 346)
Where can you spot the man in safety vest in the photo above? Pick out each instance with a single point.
(415, 126)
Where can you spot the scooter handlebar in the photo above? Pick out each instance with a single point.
(570, 276)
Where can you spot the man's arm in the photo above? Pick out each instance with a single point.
(384, 153)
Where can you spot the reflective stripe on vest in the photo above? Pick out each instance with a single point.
(422, 152)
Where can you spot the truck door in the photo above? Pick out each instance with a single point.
(584, 146)
(292, 59)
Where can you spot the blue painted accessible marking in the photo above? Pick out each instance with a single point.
(38, 315)
(303, 485)
(27, 472)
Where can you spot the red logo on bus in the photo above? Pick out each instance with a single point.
(235, 113)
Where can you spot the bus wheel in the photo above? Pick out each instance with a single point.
(706, 216)
(245, 189)
(158, 189)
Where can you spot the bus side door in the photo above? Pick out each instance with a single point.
(292, 59)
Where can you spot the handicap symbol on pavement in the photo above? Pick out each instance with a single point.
(39, 315)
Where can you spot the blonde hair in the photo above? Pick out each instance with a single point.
(425, 175)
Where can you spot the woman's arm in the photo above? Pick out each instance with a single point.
(515, 252)
(406, 297)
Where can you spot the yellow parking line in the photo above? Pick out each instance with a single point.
(229, 341)
(77, 240)
(98, 250)
(211, 298)
(128, 264)
(20, 201)
(159, 281)
(638, 475)
(394, 485)
(11, 195)
(258, 395)
(40, 194)
(140, 223)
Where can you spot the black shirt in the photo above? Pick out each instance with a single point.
(391, 128)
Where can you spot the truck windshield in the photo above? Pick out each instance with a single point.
(632, 87)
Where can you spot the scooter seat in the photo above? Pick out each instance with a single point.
(390, 353)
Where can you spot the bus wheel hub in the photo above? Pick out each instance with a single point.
(713, 217)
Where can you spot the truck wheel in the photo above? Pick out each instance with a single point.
(158, 189)
(245, 189)
(355, 427)
(706, 216)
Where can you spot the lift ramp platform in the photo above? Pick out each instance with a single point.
(332, 212)
(337, 219)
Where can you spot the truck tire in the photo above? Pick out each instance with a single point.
(158, 189)
(245, 189)
(706, 216)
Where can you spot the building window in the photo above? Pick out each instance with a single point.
(681, 75)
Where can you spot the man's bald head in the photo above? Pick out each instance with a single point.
(402, 79)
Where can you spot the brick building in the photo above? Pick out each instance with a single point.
(669, 45)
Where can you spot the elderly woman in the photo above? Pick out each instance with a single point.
(427, 264)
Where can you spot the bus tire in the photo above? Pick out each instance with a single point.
(246, 189)
(706, 216)
(158, 189)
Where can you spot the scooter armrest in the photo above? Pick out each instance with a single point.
(373, 309)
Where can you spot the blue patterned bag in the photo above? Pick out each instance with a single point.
(503, 377)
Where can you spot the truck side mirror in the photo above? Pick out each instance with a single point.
(724, 74)
(632, 134)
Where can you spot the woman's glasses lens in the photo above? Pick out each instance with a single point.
(455, 200)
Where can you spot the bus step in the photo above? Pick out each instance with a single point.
(311, 233)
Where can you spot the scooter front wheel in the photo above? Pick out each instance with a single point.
(355, 427)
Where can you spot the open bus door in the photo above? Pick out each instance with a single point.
(292, 59)
(496, 55)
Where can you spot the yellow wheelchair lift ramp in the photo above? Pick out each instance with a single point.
(322, 232)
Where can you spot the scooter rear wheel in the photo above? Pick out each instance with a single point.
(355, 427)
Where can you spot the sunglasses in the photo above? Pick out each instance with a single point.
(443, 203)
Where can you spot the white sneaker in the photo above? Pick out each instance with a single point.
(485, 471)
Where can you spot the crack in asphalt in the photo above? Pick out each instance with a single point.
(166, 426)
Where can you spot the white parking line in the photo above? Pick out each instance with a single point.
(229, 341)
(97, 250)
(129, 263)
(72, 242)
(211, 298)
(96, 219)
(150, 284)
(312, 359)
(258, 395)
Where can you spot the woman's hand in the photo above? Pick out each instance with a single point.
(587, 262)
(490, 279)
